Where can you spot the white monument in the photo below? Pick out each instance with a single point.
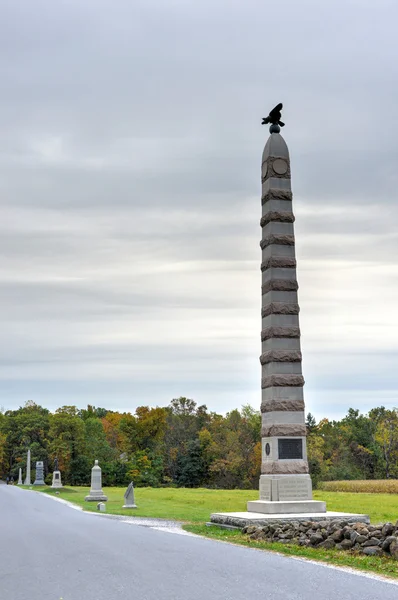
(39, 473)
(20, 477)
(27, 479)
(56, 483)
(129, 497)
(96, 494)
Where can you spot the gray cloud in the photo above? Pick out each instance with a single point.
(130, 148)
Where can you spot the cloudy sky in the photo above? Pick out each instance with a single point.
(130, 149)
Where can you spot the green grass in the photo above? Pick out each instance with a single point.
(380, 565)
(182, 504)
(196, 505)
(380, 507)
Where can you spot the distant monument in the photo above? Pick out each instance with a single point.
(285, 483)
(56, 483)
(27, 479)
(39, 473)
(129, 497)
(20, 477)
(96, 494)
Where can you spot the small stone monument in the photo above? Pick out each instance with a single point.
(129, 497)
(20, 477)
(96, 494)
(57, 483)
(39, 473)
(101, 506)
(27, 479)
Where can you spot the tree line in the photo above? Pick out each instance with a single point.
(185, 445)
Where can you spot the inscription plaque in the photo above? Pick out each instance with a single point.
(294, 488)
(265, 489)
(290, 448)
(267, 449)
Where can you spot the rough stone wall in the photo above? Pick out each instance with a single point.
(372, 540)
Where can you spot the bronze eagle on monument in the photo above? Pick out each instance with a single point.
(274, 116)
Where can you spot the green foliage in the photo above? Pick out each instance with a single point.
(185, 445)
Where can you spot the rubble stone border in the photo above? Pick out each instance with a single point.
(371, 540)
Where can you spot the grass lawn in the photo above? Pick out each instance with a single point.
(196, 505)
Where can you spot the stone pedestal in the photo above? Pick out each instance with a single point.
(56, 483)
(20, 477)
(96, 494)
(27, 478)
(39, 474)
(239, 520)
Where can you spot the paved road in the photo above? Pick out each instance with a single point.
(50, 551)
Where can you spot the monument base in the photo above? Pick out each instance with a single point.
(239, 520)
(287, 507)
(129, 506)
(96, 498)
(57, 483)
(39, 482)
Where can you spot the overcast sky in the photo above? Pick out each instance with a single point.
(130, 151)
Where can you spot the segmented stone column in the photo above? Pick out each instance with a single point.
(284, 469)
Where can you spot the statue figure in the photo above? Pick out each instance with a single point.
(56, 464)
(274, 116)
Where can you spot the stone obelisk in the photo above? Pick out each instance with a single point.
(285, 483)
(96, 494)
(27, 479)
(20, 477)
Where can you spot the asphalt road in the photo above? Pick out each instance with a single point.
(49, 551)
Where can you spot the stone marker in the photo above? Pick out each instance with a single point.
(101, 507)
(129, 497)
(57, 483)
(39, 473)
(20, 477)
(96, 492)
(27, 479)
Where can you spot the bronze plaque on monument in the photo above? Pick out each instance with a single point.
(290, 448)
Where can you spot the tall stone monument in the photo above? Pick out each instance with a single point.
(96, 494)
(20, 477)
(39, 473)
(27, 479)
(285, 483)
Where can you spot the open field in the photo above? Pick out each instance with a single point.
(196, 505)
(367, 486)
